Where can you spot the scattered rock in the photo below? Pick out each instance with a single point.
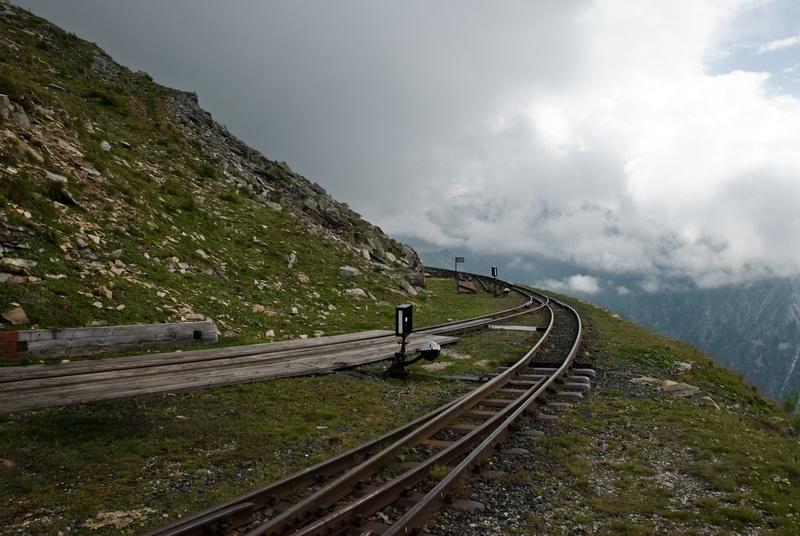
(294, 311)
(273, 205)
(105, 146)
(291, 260)
(20, 118)
(97, 304)
(270, 334)
(681, 390)
(348, 271)
(5, 107)
(194, 317)
(303, 278)
(56, 178)
(7, 463)
(647, 380)
(389, 256)
(405, 285)
(260, 309)
(708, 401)
(16, 316)
(365, 254)
(355, 292)
(18, 266)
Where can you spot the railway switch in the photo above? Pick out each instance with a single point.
(403, 327)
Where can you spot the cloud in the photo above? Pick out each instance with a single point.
(779, 44)
(642, 163)
(593, 131)
(576, 283)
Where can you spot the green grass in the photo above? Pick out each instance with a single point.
(166, 199)
(179, 453)
(636, 454)
(483, 351)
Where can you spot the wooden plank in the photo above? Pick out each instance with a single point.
(172, 367)
(112, 331)
(191, 379)
(110, 388)
(70, 342)
(512, 328)
(143, 360)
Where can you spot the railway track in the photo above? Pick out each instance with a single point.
(40, 386)
(396, 483)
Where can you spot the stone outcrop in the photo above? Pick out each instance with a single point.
(275, 185)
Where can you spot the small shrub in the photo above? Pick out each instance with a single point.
(790, 403)
(107, 99)
(18, 190)
(230, 197)
(206, 170)
(188, 204)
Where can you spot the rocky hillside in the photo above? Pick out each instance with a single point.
(123, 201)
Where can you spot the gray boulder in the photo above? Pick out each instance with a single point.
(21, 119)
(348, 271)
(5, 107)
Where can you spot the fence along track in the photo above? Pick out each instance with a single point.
(347, 476)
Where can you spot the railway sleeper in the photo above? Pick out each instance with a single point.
(578, 378)
(464, 428)
(513, 392)
(577, 386)
(496, 402)
(568, 395)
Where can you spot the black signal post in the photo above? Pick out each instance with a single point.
(494, 278)
(403, 326)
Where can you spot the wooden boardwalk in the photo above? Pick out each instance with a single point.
(42, 386)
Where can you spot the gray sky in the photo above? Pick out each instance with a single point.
(649, 138)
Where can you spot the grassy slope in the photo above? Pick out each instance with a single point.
(632, 460)
(176, 453)
(158, 203)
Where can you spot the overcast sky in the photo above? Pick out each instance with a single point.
(649, 138)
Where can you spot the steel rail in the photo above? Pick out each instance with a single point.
(303, 511)
(362, 507)
(258, 352)
(221, 518)
(416, 517)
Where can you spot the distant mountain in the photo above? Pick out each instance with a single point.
(752, 328)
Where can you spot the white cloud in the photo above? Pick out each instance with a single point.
(779, 44)
(576, 283)
(591, 131)
(640, 162)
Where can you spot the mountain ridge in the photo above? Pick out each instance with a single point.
(123, 201)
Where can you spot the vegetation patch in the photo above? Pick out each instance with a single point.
(634, 460)
(172, 454)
